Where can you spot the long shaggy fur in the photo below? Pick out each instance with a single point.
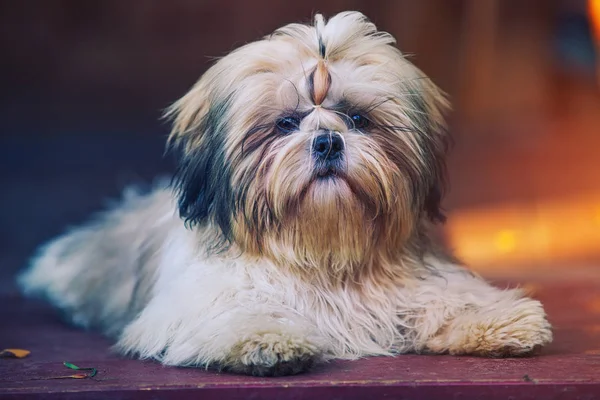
(253, 260)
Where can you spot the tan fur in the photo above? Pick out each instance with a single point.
(321, 81)
(270, 267)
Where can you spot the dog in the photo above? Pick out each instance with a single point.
(296, 228)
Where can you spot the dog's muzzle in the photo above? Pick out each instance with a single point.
(327, 150)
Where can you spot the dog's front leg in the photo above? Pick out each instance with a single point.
(225, 332)
(458, 313)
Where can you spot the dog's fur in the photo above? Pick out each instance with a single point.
(257, 259)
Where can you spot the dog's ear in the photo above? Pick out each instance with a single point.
(203, 178)
(430, 106)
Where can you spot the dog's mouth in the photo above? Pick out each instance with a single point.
(332, 179)
(325, 179)
(328, 173)
(335, 184)
(329, 170)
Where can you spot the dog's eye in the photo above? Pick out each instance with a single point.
(288, 124)
(359, 121)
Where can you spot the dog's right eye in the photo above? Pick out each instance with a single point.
(288, 124)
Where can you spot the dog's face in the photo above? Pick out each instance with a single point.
(319, 145)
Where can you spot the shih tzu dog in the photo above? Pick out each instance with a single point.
(311, 166)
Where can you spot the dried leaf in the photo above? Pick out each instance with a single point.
(14, 353)
(75, 367)
(69, 365)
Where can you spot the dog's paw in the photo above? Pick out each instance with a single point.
(271, 354)
(519, 330)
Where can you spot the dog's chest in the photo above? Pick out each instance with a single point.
(355, 319)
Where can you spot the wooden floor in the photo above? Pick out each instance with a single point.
(568, 369)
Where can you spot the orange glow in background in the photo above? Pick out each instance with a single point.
(527, 234)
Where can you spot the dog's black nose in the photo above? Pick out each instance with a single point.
(328, 146)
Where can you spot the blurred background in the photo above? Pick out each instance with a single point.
(83, 84)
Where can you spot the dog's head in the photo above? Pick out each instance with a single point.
(318, 145)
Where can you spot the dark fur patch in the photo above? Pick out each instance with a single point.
(282, 368)
(203, 177)
(322, 48)
(432, 205)
(435, 148)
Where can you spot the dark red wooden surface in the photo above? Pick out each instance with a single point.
(568, 369)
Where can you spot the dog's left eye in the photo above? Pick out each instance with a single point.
(359, 121)
(288, 124)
